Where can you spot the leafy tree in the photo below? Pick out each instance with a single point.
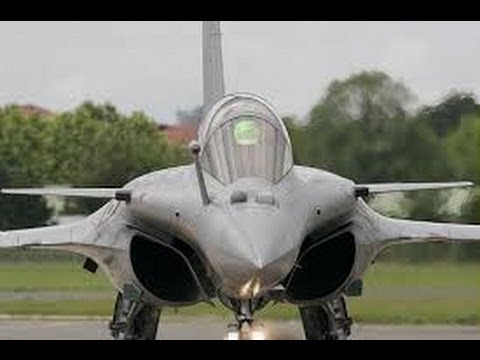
(446, 116)
(464, 149)
(23, 162)
(93, 146)
(96, 146)
(370, 97)
(362, 129)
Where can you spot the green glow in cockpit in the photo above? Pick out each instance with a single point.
(246, 132)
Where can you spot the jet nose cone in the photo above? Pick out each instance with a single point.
(246, 279)
(251, 255)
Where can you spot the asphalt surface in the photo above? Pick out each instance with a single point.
(215, 329)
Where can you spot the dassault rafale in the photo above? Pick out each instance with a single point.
(241, 227)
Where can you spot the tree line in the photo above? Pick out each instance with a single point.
(365, 127)
(91, 146)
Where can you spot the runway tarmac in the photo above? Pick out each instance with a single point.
(215, 328)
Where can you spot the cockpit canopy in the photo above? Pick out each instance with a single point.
(242, 137)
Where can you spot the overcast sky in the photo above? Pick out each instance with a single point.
(156, 66)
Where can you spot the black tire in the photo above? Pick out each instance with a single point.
(142, 325)
(329, 321)
(317, 323)
(145, 323)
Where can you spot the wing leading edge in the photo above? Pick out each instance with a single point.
(89, 237)
(371, 189)
(60, 235)
(101, 193)
(385, 231)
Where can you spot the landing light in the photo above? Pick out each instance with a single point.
(257, 335)
(251, 288)
(234, 335)
(256, 288)
(245, 290)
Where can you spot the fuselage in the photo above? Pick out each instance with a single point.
(251, 232)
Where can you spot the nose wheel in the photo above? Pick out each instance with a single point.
(245, 331)
(245, 328)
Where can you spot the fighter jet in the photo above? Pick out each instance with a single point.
(241, 227)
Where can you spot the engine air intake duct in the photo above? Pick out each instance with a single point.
(322, 269)
(164, 271)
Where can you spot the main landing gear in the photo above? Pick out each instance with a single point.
(134, 320)
(328, 321)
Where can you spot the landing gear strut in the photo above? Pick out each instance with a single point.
(244, 327)
(134, 320)
(328, 321)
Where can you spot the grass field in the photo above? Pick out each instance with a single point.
(50, 276)
(393, 293)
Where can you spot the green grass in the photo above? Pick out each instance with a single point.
(393, 293)
(50, 276)
(61, 307)
(419, 294)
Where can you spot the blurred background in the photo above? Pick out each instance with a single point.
(367, 124)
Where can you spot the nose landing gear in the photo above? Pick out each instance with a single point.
(244, 328)
(245, 332)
